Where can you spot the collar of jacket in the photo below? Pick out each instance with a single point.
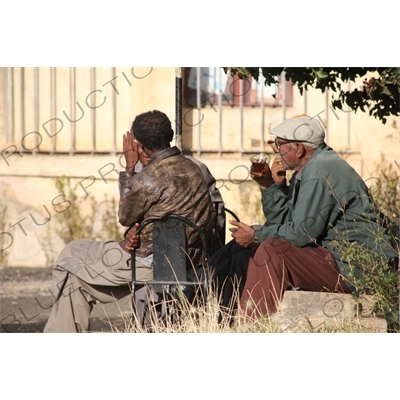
(171, 151)
(315, 153)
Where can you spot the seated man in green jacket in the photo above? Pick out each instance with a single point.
(298, 245)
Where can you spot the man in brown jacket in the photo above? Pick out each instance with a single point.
(87, 271)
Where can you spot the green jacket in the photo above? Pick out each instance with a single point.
(329, 200)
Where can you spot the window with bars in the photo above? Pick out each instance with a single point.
(214, 86)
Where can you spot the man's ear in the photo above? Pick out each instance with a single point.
(300, 150)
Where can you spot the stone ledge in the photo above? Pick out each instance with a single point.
(316, 309)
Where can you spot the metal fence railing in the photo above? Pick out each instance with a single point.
(39, 103)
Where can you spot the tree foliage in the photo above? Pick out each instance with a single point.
(379, 95)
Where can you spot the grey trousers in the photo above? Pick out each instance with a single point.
(87, 272)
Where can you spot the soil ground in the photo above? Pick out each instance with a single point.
(26, 300)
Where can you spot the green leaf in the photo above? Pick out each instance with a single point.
(321, 74)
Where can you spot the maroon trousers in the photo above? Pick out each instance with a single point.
(278, 265)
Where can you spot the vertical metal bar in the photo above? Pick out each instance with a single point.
(22, 96)
(36, 107)
(348, 142)
(327, 115)
(262, 110)
(241, 115)
(12, 137)
(93, 112)
(283, 95)
(114, 115)
(198, 105)
(53, 94)
(178, 107)
(305, 100)
(72, 97)
(220, 112)
(5, 105)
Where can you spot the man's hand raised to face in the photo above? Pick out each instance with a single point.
(265, 180)
(131, 151)
(276, 174)
(277, 170)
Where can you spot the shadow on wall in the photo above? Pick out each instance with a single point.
(244, 200)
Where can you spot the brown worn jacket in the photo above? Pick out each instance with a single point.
(169, 184)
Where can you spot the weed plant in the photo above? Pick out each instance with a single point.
(78, 221)
(4, 223)
(386, 193)
(369, 270)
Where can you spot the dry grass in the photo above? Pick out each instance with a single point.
(208, 318)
